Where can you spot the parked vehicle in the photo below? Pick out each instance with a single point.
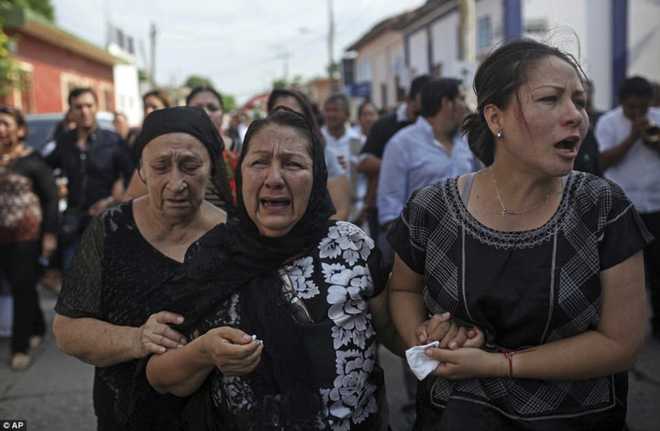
(42, 127)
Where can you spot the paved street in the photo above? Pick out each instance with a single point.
(54, 394)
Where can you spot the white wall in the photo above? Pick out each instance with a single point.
(644, 39)
(379, 62)
(493, 9)
(582, 28)
(127, 93)
(418, 52)
(598, 57)
(591, 20)
(445, 42)
(566, 23)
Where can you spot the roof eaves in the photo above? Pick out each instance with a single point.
(39, 27)
(388, 24)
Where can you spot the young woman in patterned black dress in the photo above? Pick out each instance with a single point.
(546, 260)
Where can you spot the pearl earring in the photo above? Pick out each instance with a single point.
(499, 134)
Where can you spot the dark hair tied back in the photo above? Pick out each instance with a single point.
(497, 81)
(479, 137)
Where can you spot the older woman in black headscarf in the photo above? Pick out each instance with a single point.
(286, 302)
(110, 311)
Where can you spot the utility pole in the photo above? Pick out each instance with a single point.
(468, 32)
(285, 65)
(331, 47)
(152, 67)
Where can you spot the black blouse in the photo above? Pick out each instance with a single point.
(118, 277)
(524, 289)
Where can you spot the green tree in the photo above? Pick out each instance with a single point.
(42, 7)
(9, 71)
(142, 75)
(279, 83)
(229, 102)
(295, 82)
(198, 81)
(8, 67)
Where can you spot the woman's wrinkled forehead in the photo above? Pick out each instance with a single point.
(176, 141)
(277, 133)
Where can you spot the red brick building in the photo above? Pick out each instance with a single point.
(52, 62)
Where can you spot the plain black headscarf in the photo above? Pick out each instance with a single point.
(235, 257)
(182, 119)
(195, 122)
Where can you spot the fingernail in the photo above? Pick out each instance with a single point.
(184, 341)
(452, 345)
(179, 319)
(249, 337)
(445, 314)
(178, 346)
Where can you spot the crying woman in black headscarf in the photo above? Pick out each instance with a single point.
(113, 308)
(285, 304)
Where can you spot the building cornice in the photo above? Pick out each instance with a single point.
(27, 22)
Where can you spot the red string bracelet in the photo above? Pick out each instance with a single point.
(508, 354)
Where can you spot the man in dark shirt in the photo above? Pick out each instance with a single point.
(381, 132)
(93, 160)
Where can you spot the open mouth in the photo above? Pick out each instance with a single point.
(568, 145)
(275, 203)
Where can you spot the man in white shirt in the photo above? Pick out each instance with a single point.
(634, 164)
(346, 143)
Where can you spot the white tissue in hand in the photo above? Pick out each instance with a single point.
(420, 364)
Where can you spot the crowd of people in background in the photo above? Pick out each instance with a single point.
(229, 271)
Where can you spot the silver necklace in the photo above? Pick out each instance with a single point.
(510, 212)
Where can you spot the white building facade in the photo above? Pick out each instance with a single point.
(612, 39)
(128, 100)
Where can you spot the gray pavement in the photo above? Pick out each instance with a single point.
(55, 393)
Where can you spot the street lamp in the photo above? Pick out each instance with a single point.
(284, 55)
(331, 45)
